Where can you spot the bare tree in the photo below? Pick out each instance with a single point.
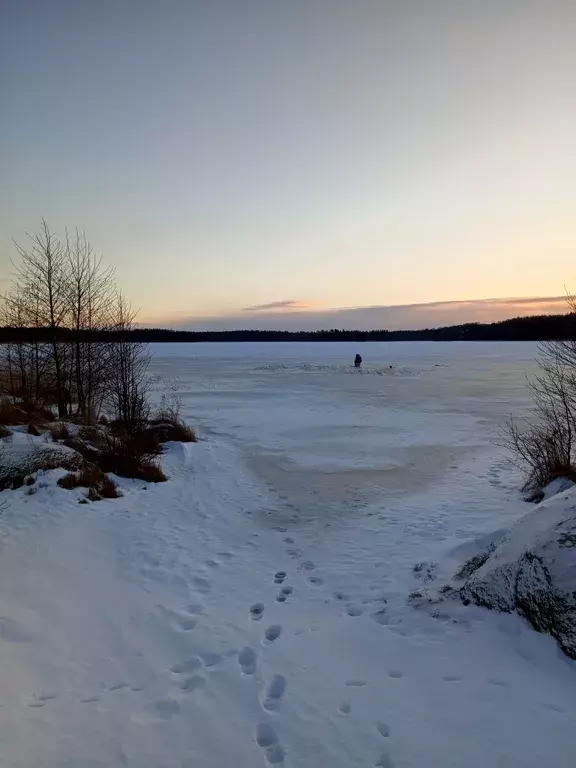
(91, 300)
(76, 330)
(127, 398)
(41, 278)
(545, 446)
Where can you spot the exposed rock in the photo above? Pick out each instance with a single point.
(532, 571)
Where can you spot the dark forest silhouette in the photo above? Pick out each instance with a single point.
(535, 328)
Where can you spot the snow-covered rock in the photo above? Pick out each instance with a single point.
(532, 571)
(23, 454)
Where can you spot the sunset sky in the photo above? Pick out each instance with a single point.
(264, 163)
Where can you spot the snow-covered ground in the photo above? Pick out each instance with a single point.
(253, 611)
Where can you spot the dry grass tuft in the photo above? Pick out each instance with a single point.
(90, 476)
(133, 456)
(59, 431)
(169, 426)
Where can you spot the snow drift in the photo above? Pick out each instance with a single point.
(532, 571)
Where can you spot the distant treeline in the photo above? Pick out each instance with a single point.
(537, 328)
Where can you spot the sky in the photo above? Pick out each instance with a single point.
(292, 163)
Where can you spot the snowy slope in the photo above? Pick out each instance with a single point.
(146, 631)
(132, 633)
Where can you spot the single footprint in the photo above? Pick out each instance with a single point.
(345, 708)
(384, 761)
(316, 580)
(383, 729)
(192, 683)
(354, 610)
(288, 540)
(284, 594)
(186, 623)
(294, 553)
(395, 673)
(195, 608)
(275, 754)
(380, 617)
(279, 577)
(267, 739)
(340, 596)
(166, 708)
(211, 659)
(90, 700)
(496, 681)
(265, 735)
(308, 565)
(275, 692)
(256, 611)
(188, 665)
(452, 678)
(202, 585)
(273, 632)
(247, 660)
(46, 697)
(355, 683)
(118, 686)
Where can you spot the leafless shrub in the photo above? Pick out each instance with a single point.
(544, 447)
(127, 395)
(128, 455)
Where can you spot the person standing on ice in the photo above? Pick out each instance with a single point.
(357, 361)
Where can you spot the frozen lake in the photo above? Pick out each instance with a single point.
(258, 609)
(323, 434)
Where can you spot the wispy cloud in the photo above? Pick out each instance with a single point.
(273, 306)
(283, 315)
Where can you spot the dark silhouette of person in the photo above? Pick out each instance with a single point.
(357, 361)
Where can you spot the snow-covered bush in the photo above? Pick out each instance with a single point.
(21, 457)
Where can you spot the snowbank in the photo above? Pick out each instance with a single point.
(532, 571)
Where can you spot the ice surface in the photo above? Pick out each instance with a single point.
(126, 637)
